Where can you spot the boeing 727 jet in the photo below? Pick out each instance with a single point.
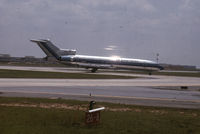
(69, 57)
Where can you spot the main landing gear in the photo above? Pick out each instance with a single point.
(150, 73)
(94, 70)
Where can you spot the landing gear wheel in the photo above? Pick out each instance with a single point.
(94, 70)
(150, 73)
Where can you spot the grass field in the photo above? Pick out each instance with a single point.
(181, 74)
(4, 73)
(57, 116)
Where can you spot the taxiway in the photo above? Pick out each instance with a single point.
(146, 90)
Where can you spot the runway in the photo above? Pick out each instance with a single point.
(136, 91)
(152, 81)
(147, 90)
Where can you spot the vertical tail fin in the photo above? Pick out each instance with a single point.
(51, 50)
(48, 48)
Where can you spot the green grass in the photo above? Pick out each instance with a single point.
(138, 120)
(4, 73)
(181, 74)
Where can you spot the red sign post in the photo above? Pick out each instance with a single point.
(92, 118)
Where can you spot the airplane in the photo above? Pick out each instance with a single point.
(69, 57)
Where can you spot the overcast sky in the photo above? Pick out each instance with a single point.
(128, 28)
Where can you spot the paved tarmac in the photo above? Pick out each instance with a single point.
(147, 90)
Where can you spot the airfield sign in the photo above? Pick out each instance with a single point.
(93, 116)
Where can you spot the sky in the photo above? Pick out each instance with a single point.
(126, 28)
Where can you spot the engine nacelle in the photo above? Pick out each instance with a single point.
(67, 52)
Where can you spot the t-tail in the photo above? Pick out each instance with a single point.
(51, 50)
